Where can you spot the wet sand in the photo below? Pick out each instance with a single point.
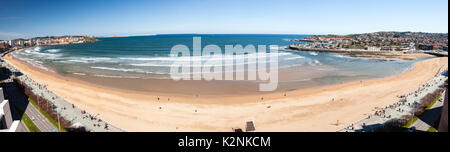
(310, 109)
(289, 79)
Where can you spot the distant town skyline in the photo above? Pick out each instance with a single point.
(27, 18)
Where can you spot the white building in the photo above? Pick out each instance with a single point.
(19, 42)
(6, 122)
(11, 43)
(412, 46)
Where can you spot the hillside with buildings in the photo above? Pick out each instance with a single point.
(44, 41)
(380, 41)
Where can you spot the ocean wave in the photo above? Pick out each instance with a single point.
(302, 80)
(214, 60)
(114, 69)
(313, 53)
(73, 61)
(79, 73)
(345, 56)
(294, 58)
(89, 60)
(36, 52)
(208, 58)
(110, 76)
(126, 70)
(307, 62)
(315, 62)
(37, 49)
(36, 64)
(54, 50)
(195, 65)
(339, 56)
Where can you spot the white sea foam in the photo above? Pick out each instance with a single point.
(303, 80)
(89, 60)
(37, 49)
(219, 63)
(209, 58)
(339, 56)
(344, 56)
(315, 62)
(36, 52)
(126, 70)
(79, 73)
(74, 61)
(294, 58)
(108, 76)
(54, 50)
(36, 64)
(114, 69)
(313, 53)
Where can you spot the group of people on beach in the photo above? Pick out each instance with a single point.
(94, 119)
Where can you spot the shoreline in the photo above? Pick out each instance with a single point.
(300, 110)
(184, 97)
(290, 79)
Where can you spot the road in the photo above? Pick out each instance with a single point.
(39, 119)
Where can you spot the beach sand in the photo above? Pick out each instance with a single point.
(301, 111)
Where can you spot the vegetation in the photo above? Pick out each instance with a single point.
(434, 102)
(90, 39)
(410, 122)
(432, 129)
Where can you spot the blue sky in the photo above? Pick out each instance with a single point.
(30, 18)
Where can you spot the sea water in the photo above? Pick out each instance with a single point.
(148, 57)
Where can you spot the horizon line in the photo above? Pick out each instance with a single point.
(137, 35)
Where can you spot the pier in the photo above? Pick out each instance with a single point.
(438, 54)
(360, 51)
(346, 51)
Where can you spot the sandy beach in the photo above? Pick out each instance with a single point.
(314, 109)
